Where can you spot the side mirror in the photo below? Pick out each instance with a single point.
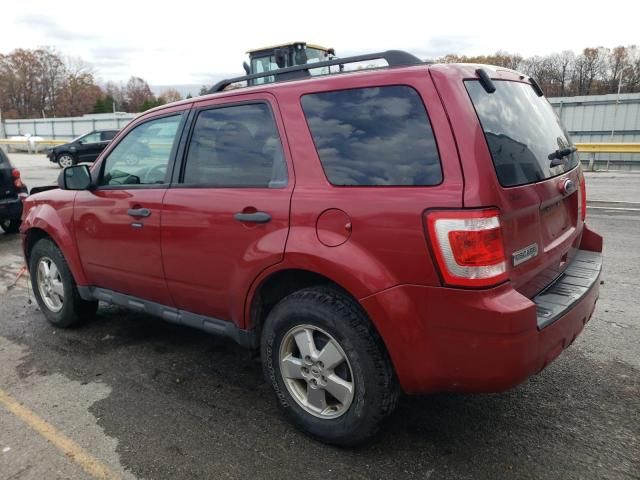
(76, 177)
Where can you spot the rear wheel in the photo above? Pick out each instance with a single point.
(10, 226)
(65, 160)
(328, 367)
(55, 289)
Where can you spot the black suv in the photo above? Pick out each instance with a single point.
(82, 149)
(11, 187)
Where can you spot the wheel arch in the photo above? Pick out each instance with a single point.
(45, 223)
(276, 285)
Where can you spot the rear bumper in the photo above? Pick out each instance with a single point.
(10, 209)
(443, 339)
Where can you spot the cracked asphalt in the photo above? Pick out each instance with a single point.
(148, 399)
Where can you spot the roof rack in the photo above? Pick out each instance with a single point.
(394, 58)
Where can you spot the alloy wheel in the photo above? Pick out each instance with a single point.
(65, 161)
(50, 285)
(316, 371)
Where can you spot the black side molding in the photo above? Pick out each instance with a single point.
(485, 80)
(246, 338)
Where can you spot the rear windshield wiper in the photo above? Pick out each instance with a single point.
(557, 157)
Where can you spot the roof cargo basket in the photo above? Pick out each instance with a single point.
(394, 58)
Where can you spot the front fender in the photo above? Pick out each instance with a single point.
(52, 213)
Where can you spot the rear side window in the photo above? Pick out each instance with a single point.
(373, 136)
(236, 146)
(106, 136)
(522, 130)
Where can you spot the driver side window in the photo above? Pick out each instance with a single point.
(142, 157)
(91, 138)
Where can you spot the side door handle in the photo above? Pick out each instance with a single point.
(255, 217)
(139, 212)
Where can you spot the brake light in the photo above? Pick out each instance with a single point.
(17, 181)
(583, 198)
(468, 246)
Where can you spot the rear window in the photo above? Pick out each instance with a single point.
(373, 136)
(522, 130)
(4, 162)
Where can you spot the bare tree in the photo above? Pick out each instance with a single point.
(138, 92)
(562, 65)
(170, 95)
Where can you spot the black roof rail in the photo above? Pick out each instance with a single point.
(394, 58)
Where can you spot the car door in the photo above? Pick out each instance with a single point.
(228, 217)
(117, 223)
(89, 147)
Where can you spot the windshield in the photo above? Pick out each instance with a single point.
(263, 64)
(522, 131)
(315, 55)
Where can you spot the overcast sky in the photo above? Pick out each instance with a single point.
(196, 42)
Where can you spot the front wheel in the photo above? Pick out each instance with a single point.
(54, 287)
(10, 226)
(65, 160)
(328, 367)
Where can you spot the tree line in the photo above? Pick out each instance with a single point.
(42, 83)
(594, 71)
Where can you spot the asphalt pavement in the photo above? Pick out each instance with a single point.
(130, 396)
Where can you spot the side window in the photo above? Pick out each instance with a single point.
(373, 136)
(236, 146)
(106, 136)
(91, 138)
(142, 157)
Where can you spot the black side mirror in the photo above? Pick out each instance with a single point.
(76, 177)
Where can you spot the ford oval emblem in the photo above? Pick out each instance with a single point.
(567, 186)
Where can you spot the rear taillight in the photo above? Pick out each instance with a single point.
(17, 181)
(583, 198)
(468, 246)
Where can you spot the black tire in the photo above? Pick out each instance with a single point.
(376, 389)
(10, 226)
(74, 310)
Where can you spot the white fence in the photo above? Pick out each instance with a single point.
(65, 128)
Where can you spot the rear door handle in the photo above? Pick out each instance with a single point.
(139, 212)
(256, 217)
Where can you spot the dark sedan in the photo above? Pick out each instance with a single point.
(82, 149)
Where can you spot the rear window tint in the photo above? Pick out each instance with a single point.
(373, 136)
(522, 130)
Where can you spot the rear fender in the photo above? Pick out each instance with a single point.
(349, 266)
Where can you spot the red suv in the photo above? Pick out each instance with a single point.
(416, 228)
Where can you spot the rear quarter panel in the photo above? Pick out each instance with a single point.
(387, 244)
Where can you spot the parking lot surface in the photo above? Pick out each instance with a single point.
(130, 396)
